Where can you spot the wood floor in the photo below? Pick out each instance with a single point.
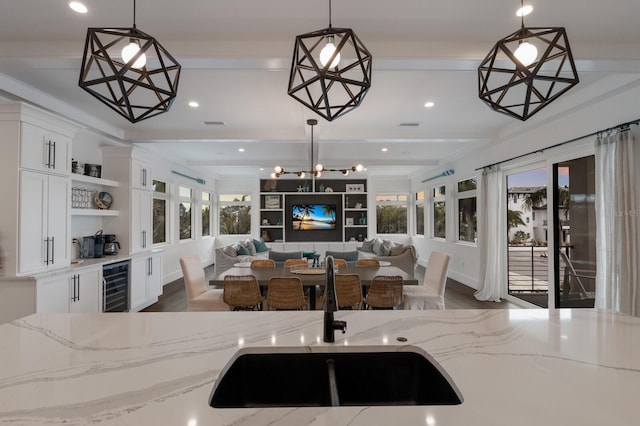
(457, 296)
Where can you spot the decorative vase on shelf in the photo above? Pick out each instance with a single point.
(362, 220)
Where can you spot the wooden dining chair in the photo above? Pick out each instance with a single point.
(293, 263)
(242, 293)
(348, 291)
(368, 263)
(340, 263)
(385, 292)
(285, 293)
(263, 263)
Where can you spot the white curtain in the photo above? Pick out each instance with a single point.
(618, 223)
(492, 235)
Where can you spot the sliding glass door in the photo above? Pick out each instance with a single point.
(574, 219)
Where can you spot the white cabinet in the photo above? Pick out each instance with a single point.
(44, 150)
(141, 220)
(43, 222)
(141, 174)
(76, 292)
(146, 281)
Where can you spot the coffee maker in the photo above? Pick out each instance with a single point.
(111, 246)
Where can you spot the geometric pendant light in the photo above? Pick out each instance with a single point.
(514, 80)
(330, 71)
(129, 71)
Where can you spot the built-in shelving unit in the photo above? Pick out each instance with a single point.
(94, 184)
(349, 196)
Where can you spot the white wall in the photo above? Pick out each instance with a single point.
(603, 110)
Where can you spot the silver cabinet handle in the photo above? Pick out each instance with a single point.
(46, 259)
(53, 248)
(54, 156)
(104, 294)
(78, 294)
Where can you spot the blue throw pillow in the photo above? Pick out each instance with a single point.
(242, 250)
(260, 246)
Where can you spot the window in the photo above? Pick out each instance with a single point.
(467, 214)
(185, 213)
(235, 214)
(391, 213)
(160, 198)
(420, 213)
(439, 212)
(206, 214)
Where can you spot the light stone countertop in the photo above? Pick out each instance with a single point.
(513, 367)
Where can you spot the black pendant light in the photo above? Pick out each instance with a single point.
(512, 78)
(330, 71)
(129, 71)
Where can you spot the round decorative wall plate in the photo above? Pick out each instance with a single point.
(103, 200)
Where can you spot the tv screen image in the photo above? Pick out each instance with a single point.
(309, 217)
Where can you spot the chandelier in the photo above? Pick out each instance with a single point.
(523, 84)
(318, 169)
(330, 71)
(117, 71)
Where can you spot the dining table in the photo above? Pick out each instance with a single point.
(313, 278)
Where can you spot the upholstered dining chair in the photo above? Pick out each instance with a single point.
(385, 292)
(242, 293)
(199, 298)
(429, 295)
(285, 293)
(263, 263)
(348, 291)
(295, 263)
(367, 263)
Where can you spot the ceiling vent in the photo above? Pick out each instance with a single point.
(214, 123)
(409, 124)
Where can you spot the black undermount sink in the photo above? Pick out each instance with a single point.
(260, 377)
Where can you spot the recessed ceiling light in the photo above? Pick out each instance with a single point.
(261, 169)
(524, 10)
(241, 149)
(76, 6)
(385, 149)
(194, 104)
(429, 104)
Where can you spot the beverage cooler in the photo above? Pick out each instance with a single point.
(115, 287)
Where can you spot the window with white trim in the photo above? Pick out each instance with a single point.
(467, 210)
(419, 220)
(391, 213)
(160, 203)
(439, 213)
(205, 211)
(185, 213)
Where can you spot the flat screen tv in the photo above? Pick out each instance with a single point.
(309, 217)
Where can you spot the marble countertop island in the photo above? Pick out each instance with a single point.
(513, 367)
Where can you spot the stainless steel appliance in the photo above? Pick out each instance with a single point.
(111, 246)
(92, 246)
(115, 287)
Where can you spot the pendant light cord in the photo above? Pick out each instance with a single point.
(134, 13)
(522, 13)
(329, 17)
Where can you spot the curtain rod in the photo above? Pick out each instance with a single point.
(619, 126)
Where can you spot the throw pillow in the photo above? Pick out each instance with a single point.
(230, 251)
(249, 245)
(242, 250)
(260, 246)
(385, 248)
(367, 245)
(397, 250)
(377, 243)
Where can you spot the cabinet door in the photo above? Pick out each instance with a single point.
(85, 288)
(138, 282)
(154, 277)
(52, 295)
(44, 150)
(34, 148)
(141, 237)
(58, 223)
(141, 175)
(32, 222)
